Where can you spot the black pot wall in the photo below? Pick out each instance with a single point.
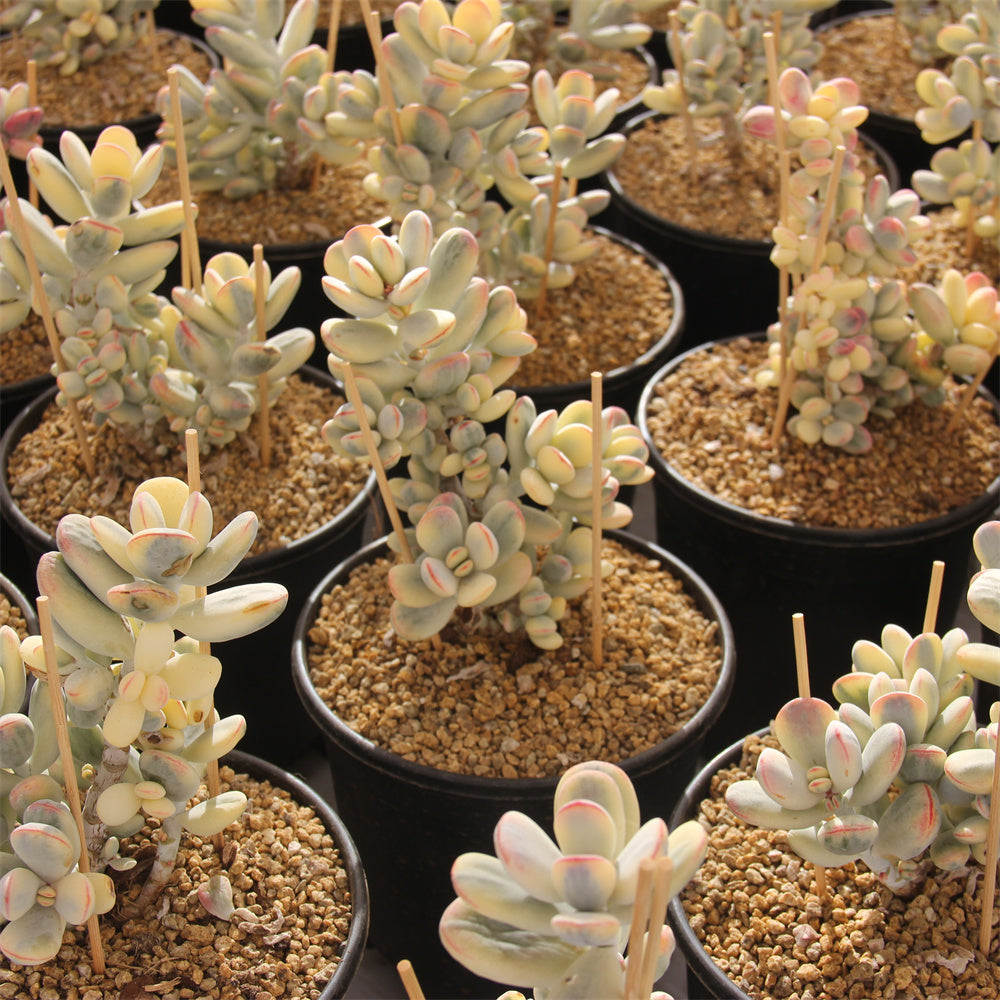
(847, 584)
(411, 821)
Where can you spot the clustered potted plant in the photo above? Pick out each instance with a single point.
(500, 501)
(887, 796)
(124, 705)
(853, 347)
(464, 151)
(144, 370)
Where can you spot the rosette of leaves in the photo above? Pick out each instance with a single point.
(555, 915)
(721, 48)
(19, 121)
(69, 34)
(871, 780)
(42, 889)
(969, 94)
(273, 108)
(218, 353)
(501, 531)
(923, 22)
(99, 270)
(136, 686)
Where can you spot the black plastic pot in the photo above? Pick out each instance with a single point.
(411, 821)
(705, 980)
(255, 675)
(730, 285)
(353, 949)
(621, 386)
(17, 599)
(847, 583)
(900, 137)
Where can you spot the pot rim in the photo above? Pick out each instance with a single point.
(17, 596)
(623, 373)
(423, 775)
(39, 541)
(782, 529)
(353, 950)
(760, 247)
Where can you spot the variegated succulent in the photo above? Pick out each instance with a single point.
(722, 53)
(923, 22)
(19, 121)
(455, 138)
(68, 34)
(501, 520)
(137, 692)
(555, 915)
(899, 775)
(273, 108)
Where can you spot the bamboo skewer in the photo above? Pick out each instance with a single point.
(640, 916)
(818, 252)
(970, 235)
(597, 470)
(32, 102)
(550, 237)
(373, 25)
(971, 389)
(933, 596)
(194, 485)
(68, 766)
(331, 34)
(663, 869)
(20, 230)
(153, 44)
(354, 397)
(992, 853)
(190, 232)
(409, 978)
(263, 417)
(802, 675)
(678, 55)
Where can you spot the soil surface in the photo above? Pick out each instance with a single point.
(494, 705)
(293, 915)
(754, 906)
(306, 485)
(712, 423)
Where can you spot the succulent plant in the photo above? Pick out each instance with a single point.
(453, 140)
(19, 121)
(69, 34)
(899, 775)
(272, 108)
(722, 53)
(137, 698)
(501, 521)
(858, 341)
(556, 915)
(923, 22)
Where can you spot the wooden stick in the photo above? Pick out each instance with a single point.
(992, 853)
(151, 41)
(971, 389)
(802, 675)
(333, 30)
(640, 916)
(933, 596)
(675, 36)
(373, 25)
(32, 102)
(550, 237)
(409, 977)
(190, 231)
(351, 385)
(658, 913)
(20, 229)
(597, 470)
(263, 418)
(824, 229)
(194, 485)
(68, 766)
(970, 236)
